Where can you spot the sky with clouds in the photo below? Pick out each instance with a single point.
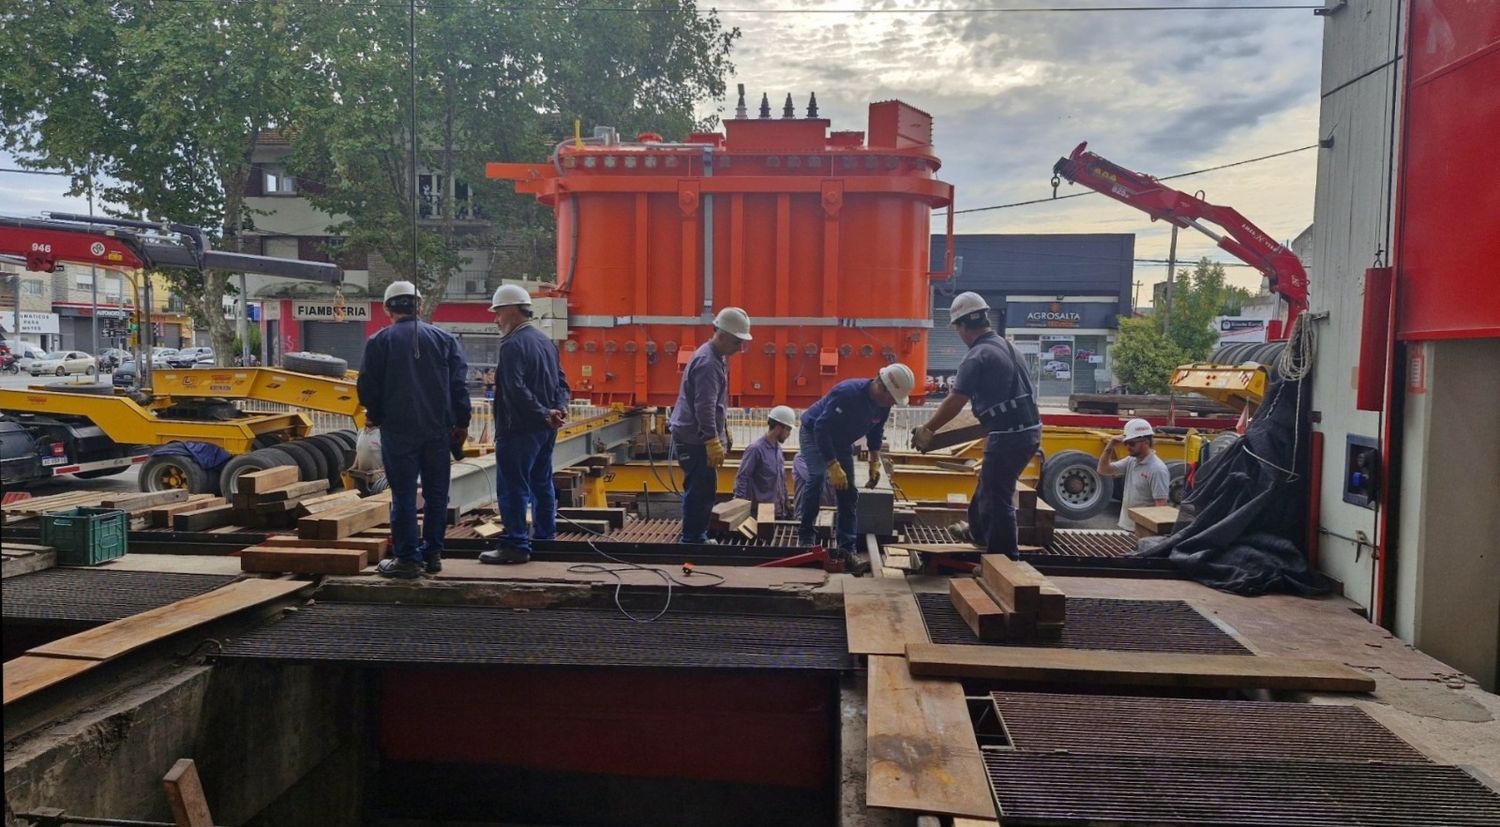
(1161, 92)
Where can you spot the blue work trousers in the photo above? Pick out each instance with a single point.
(992, 511)
(523, 481)
(700, 487)
(817, 474)
(409, 460)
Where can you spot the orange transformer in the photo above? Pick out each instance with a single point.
(822, 237)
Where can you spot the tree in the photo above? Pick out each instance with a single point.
(161, 99)
(1144, 356)
(495, 82)
(1197, 298)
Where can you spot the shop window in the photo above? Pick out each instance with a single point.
(276, 181)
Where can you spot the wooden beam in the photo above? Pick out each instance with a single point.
(204, 518)
(1097, 667)
(294, 491)
(137, 502)
(372, 546)
(1155, 519)
(727, 516)
(985, 617)
(765, 513)
(342, 522)
(1011, 584)
(257, 482)
(161, 517)
(881, 616)
(921, 751)
(31, 673)
(277, 559)
(614, 516)
(963, 428)
(185, 795)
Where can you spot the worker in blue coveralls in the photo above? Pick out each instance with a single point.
(992, 378)
(700, 432)
(531, 403)
(762, 475)
(854, 408)
(411, 384)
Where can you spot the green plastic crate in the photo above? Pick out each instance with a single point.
(86, 536)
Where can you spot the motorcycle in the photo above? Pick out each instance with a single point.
(9, 363)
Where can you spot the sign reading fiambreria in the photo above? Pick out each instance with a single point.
(328, 312)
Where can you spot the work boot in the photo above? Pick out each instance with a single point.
(505, 556)
(856, 562)
(399, 568)
(433, 562)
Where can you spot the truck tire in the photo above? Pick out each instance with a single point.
(258, 460)
(349, 438)
(168, 472)
(1072, 484)
(1177, 481)
(346, 450)
(302, 456)
(317, 364)
(333, 454)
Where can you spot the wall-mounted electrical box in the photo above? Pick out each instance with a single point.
(1361, 470)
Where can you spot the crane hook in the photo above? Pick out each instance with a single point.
(1055, 182)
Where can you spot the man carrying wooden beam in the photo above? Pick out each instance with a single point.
(1147, 480)
(994, 379)
(762, 475)
(411, 384)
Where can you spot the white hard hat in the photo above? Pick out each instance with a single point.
(785, 415)
(1137, 428)
(735, 321)
(400, 288)
(964, 304)
(899, 380)
(508, 295)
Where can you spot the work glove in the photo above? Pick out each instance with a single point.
(836, 476)
(874, 471)
(921, 438)
(715, 450)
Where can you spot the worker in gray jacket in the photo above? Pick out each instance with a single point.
(993, 379)
(411, 384)
(699, 421)
(762, 475)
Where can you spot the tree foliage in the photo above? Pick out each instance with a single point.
(1144, 357)
(161, 100)
(1148, 350)
(495, 82)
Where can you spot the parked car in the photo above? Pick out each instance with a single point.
(125, 375)
(189, 356)
(163, 358)
(205, 362)
(27, 354)
(1060, 351)
(64, 363)
(1055, 366)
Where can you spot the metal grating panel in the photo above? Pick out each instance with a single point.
(367, 634)
(68, 595)
(1085, 542)
(1098, 623)
(1068, 789)
(1243, 730)
(668, 532)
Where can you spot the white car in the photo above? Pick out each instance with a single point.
(62, 364)
(1054, 366)
(27, 355)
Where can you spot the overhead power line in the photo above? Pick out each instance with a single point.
(1163, 178)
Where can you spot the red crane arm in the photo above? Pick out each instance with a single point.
(1240, 238)
(43, 248)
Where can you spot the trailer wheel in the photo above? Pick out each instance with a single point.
(303, 458)
(1177, 481)
(349, 438)
(259, 460)
(1072, 484)
(317, 364)
(168, 472)
(332, 451)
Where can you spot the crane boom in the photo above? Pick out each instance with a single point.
(1240, 237)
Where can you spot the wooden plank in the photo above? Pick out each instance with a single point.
(1025, 498)
(488, 530)
(1017, 587)
(372, 546)
(295, 491)
(892, 572)
(185, 795)
(137, 502)
(1097, 667)
(123, 636)
(749, 529)
(962, 428)
(162, 517)
(204, 518)
(614, 516)
(341, 523)
(921, 751)
(326, 503)
(985, 617)
(1156, 519)
(881, 616)
(257, 482)
(765, 513)
(727, 516)
(958, 498)
(331, 561)
(31, 673)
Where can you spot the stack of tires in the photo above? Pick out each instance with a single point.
(320, 457)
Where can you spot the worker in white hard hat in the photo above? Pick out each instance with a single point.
(700, 432)
(853, 409)
(762, 474)
(412, 386)
(531, 403)
(994, 381)
(1146, 478)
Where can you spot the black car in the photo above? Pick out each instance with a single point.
(125, 375)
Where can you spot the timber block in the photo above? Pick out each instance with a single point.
(875, 512)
